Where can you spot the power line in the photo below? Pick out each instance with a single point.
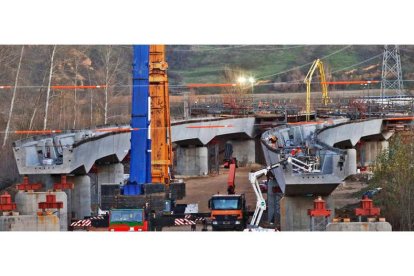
(356, 64)
(239, 47)
(306, 64)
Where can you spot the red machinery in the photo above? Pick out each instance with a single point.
(319, 210)
(132, 220)
(6, 203)
(50, 203)
(63, 185)
(231, 186)
(26, 186)
(367, 208)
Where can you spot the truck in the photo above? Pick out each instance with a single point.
(228, 212)
(132, 220)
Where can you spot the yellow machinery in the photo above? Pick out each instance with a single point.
(308, 80)
(161, 149)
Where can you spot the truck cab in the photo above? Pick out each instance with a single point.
(228, 212)
(132, 220)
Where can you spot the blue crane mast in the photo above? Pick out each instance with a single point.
(140, 154)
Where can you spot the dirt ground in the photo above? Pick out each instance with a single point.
(200, 189)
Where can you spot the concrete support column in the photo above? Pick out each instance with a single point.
(80, 196)
(351, 162)
(192, 161)
(373, 149)
(244, 151)
(294, 212)
(111, 174)
(384, 145)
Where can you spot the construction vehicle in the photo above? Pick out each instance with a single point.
(308, 81)
(231, 186)
(132, 220)
(228, 212)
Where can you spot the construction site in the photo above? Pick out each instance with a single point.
(197, 155)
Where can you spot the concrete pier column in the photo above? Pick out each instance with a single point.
(373, 149)
(192, 161)
(294, 212)
(80, 196)
(110, 174)
(384, 145)
(351, 162)
(244, 151)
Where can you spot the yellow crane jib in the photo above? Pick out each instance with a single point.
(161, 146)
(308, 80)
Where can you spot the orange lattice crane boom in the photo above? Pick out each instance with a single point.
(161, 149)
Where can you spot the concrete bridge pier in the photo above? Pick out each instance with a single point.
(244, 151)
(192, 160)
(294, 212)
(106, 174)
(371, 150)
(80, 196)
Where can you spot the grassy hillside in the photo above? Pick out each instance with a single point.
(206, 63)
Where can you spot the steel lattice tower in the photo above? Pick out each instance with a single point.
(391, 78)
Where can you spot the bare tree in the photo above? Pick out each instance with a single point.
(13, 97)
(75, 103)
(37, 104)
(48, 87)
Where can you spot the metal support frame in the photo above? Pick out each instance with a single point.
(140, 165)
(6, 203)
(50, 203)
(63, 185)
(367, 209)
(301, 165)
(27, 186)
(319, 210)
(391, 78)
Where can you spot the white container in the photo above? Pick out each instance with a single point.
(47, 161)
